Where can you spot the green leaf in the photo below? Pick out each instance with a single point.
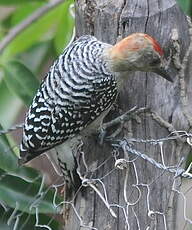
(21, 80)
(15, 190)
(64, 29)
(41, 30)
(8, 160)
(186, 5)
(25, 222)
(9, 106)
(18, 2)
(23, 11)
(35, 56)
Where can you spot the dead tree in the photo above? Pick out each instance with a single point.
(140, 195)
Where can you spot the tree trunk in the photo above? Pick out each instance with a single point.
(148, 200)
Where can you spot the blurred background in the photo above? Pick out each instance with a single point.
(26, 197)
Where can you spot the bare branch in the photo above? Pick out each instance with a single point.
(28, 21)
(125, 117)
(162, 122)
(13, 128)
(182, 66)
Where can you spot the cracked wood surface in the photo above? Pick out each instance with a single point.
(110, 21)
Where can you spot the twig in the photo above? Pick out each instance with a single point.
(183, 95)
(165, 124)
(132, 113)
(181, 66)
(162, 122)
(28, 21)
(13, 128)
(125, 117)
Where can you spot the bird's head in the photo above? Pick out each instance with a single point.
(138, 52)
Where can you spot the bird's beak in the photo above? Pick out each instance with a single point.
(165, 73)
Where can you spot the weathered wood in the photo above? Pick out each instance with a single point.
(109, 21)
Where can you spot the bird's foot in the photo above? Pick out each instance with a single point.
(130, 114)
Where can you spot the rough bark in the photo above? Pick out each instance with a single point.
(109, 21)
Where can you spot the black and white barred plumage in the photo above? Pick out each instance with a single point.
(77, 90)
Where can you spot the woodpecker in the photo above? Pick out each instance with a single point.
(78, 92)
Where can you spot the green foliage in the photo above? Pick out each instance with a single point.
(13, 189)
(18, 2)
(23, 11)
(186, 5)
(39, 42)
(23, 187)
(26, 221)
(64, 29)
(10, 105)
(8, 158)
(43, 29)
(21, 80)
(35, 56)
(22, 190)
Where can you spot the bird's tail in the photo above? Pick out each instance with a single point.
(67, 162)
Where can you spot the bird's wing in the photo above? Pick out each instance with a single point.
(76, 90)
(46, 126)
